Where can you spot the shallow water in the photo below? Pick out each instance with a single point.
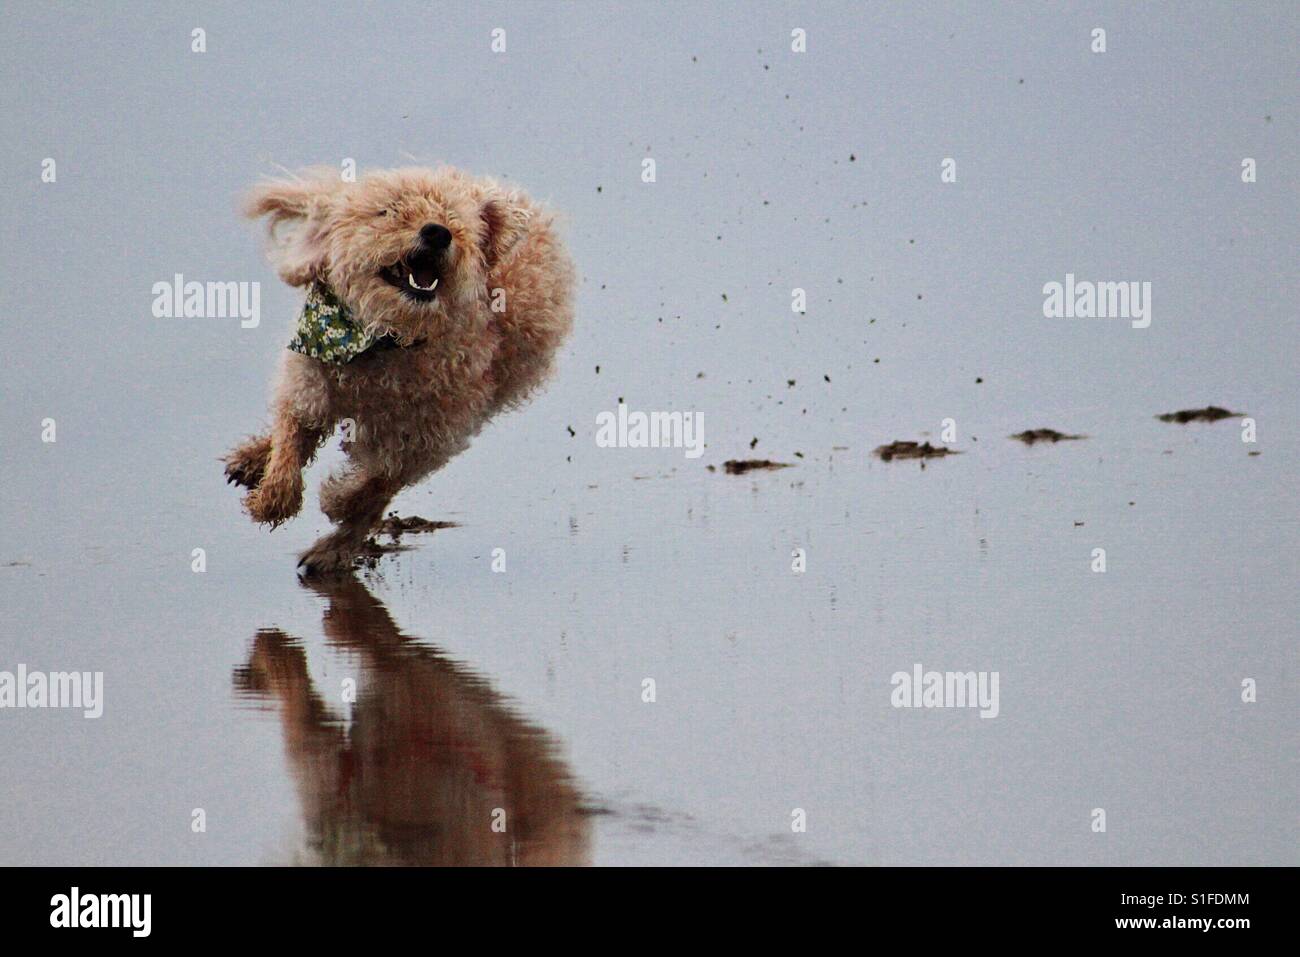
(522, 690)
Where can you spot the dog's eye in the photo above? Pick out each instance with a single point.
(382, 212)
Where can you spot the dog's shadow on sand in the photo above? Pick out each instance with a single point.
(434, 768)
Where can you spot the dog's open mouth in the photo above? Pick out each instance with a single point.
(416, 274)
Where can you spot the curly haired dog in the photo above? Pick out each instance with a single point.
(436, 299)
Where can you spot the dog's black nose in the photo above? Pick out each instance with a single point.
(439, 237)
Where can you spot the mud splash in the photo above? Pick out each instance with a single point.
(1030, 436)
(394, 527)
(741, 466)
(1211, 413)
(912, 450)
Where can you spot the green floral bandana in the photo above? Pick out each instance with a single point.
(326, 329)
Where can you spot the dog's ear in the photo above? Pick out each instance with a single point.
(303, 207)
(505, 222)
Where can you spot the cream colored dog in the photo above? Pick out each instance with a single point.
(435, 300)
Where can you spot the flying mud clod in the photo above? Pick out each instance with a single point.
(1211, 413)
(741, 466)
(912, 450)
(1030, 436)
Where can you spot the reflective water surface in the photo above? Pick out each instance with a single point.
(432, 768)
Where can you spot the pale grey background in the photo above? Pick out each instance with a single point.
(775, 170)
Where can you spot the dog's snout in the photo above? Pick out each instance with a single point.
(435, 235)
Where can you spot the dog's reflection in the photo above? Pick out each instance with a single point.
(433, 768)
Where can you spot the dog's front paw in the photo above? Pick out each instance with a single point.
(274, 504)
(247, 474)
(328, 556)
(246, 464)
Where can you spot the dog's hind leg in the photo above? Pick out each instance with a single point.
(278, 496)
(246, 463)
(337, 491)
(355, 502)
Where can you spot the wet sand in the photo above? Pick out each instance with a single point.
(522, 690)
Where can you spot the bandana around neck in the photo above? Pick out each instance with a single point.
(326, 329)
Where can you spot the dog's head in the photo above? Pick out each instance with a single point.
(403, 248)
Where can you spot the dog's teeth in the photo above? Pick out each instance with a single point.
(410, 278)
